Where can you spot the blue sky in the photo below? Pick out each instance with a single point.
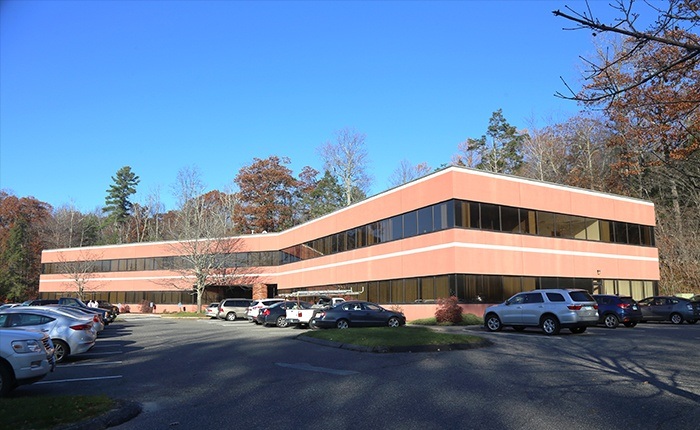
(89, 87)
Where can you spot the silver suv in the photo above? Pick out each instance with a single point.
(230, 309)
(550, 310)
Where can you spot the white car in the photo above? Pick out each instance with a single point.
(254, 308)
(70, 335)
(212, 310)
(25, 357)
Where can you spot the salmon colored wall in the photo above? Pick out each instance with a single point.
(449, 251)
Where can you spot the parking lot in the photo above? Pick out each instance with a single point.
(220, 374)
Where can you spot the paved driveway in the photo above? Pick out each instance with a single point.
(217, 374)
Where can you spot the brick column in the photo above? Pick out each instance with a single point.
(259, 291)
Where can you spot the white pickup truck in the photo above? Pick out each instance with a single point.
(303, 317)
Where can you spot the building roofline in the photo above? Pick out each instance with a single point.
(429, 176)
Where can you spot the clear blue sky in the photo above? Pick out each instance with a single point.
(87, 87)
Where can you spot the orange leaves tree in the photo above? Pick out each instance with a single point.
(265, 196)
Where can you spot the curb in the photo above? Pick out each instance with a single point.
(123, 412)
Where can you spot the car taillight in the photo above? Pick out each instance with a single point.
(320, 315)
(96, 318)
(79, 327)
(623, 305)
(574, 307)
(266, 312)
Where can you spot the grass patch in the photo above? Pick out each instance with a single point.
(39, 413)
(392, 337)
(467, 319)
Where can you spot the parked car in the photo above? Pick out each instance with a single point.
(230, 309)
(255, 306)
(613, 310)
(107, 315)
(70, 335)
(356, 313)
(25, 357)
(669, 308)
(103, 304)
(9, 305)
(550, 309)
(212, 310)
(276, 313)
(77, 312)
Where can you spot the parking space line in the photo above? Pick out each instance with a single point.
(78, 379)
(89, 364)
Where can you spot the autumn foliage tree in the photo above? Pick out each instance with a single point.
(21, 225)
(265, 196)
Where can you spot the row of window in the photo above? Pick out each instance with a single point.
(450, 214)
(467, 288)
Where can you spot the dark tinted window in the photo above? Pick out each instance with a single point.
(555, 297)
(533, 298)
(581, 296)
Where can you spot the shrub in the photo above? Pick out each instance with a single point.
(146, 307)
(448, 311)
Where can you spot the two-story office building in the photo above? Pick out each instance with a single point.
(457, 232)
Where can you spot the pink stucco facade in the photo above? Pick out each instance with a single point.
(447, 251)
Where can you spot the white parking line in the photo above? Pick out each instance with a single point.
(90, 364)
(78, 379)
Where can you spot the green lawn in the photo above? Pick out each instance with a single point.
(393, 337)
(41, 413)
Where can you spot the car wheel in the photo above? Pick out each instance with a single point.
(611, 321)
(394, 322)
(231, 316)
(676, 318)
(691, 321)
(60, 350)
(313, 325)
(630, 324)
(7, 382)
(577, 330)
(519, 328)
(281, 321)
(550, 325)
(493, 323)
(342, 324)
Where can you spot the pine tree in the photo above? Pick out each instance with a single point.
(117, 203)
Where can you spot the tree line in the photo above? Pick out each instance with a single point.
(637, 134)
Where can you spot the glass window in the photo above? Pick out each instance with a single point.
(410, 224)
(528, 221)
(425, 220)
(383, 296)
(555, 297)
(546, 224)
(411, 290)
(592, 229)
(427, 289)
(443, 216)
(350, 240)
(620, 230)
(510, 219)
(397, 291)
(511, 285)
(396, 227)
(442, 287)
(490, 217)
(646, 235)
(606, 231)
(633, 235)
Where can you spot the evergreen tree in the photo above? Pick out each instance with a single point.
(500, 150)
(15, 262)
(117, 203)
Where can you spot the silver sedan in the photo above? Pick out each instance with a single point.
(70, 334)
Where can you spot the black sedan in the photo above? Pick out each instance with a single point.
(358, 314)
(276, 314)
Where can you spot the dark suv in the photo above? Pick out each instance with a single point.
(614, 310)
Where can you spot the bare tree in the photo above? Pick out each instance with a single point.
(406, 172)
(347, 159)
(673, 28)
(204, 250)
(80, 271)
